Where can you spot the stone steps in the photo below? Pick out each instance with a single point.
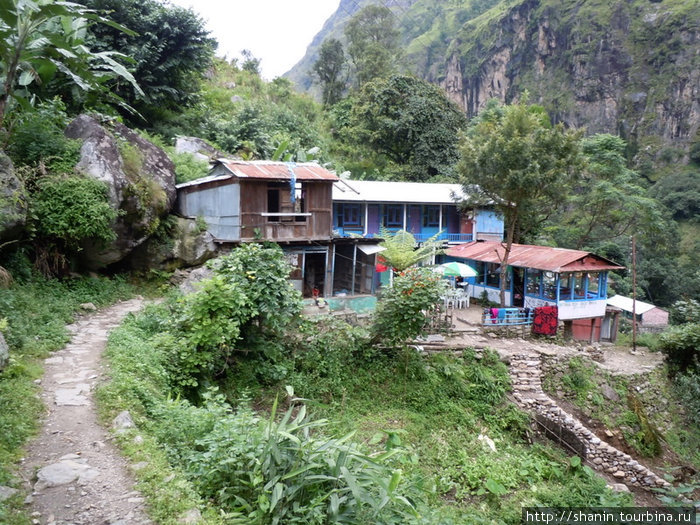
(526, 377)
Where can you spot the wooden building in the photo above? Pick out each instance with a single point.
(573, 280)
(255, 200)
(287, 203)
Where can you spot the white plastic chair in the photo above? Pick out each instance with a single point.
(462, 297)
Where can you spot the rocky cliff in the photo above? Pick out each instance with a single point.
(620, 66)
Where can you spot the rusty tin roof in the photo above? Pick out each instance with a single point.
(266, 169)
(532, 256)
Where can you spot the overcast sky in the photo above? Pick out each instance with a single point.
(276, 31)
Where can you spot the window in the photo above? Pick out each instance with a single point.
(534, 279)
(593, 284)
(493, 275)
(273, 203)
(351, 215)
(549, 285)
(431, 216)
(393, 216)
(566, 282)
(579, 285)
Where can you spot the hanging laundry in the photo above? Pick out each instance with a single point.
(292, 181)
(545, 320)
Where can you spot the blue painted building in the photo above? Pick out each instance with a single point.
(573, 280)
(361, 208)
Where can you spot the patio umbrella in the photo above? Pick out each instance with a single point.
(455, 269)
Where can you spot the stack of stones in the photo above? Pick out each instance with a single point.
(525, 372)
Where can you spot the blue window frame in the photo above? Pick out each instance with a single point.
(572, 286)
(351, 215)
(393, 216)
(431, 216)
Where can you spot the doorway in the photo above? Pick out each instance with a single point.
(518, 287)
(315, 274)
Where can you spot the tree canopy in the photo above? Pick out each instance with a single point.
(373, 42)
(330, 69)
(170, 47)
(409, 121)
(45, 41)
(514, 159)
(606, 202)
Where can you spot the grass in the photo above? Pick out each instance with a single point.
(37, 310)
(434, 408)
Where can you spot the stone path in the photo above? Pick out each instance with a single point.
(73, 472)
(526, 373)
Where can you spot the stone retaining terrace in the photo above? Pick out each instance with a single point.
(526, 373)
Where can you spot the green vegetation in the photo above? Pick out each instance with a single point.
(404, 438)
(648, 413)
(35, 311)
(41, 42)
(170, 51)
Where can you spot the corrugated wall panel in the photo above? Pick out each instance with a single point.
(219, 207)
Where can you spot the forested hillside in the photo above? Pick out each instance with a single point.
(243, 408)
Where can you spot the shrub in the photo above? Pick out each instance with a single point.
(286, 471)
(685, 311)
(73, 209)
(682, 347)
(243, 308)
(37, 136)
(687, 387)
(401, 314)
(188, 167)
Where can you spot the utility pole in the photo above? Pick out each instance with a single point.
(634, 294)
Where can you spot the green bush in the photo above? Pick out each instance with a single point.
(72, 210)
(681, 345)
(685, 311)
(242, 309)
(37, 136)
(401, 314)
(687, 387)
(188, 167)
(286, 471)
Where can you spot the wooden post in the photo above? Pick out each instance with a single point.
(634, 294)
(354, 266)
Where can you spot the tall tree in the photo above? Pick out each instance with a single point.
(373, 42)
(411, 122)
(515, 159)
(41, 40)
(607, 201)
(171, 50)
(330, 69)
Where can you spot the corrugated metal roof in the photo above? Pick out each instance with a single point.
(625, 303)
(266, 169)
(202, 180)
(532, 256)
(384, 191)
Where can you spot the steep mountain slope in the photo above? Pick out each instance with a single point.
(627, 66)
(301, 74)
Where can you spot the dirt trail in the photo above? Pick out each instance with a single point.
(73, 471)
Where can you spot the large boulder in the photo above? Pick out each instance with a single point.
(198, 148)
(140, 178)
(189, 244)
(13, 201)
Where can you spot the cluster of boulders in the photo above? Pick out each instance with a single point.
(140, 179)
(526, 373)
